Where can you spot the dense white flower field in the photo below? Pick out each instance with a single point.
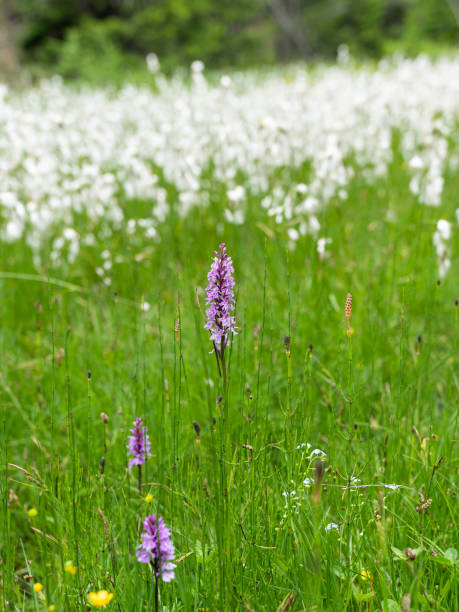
(68, 153)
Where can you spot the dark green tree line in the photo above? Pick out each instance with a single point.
(73, 35)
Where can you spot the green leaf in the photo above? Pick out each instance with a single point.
(399, 555)
(361, 596)
(389, 605)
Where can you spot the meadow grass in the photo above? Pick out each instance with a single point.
(251, 532)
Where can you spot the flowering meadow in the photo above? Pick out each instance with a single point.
(229, 341)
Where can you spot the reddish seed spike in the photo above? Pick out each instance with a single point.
(348, 310)
(177, 329)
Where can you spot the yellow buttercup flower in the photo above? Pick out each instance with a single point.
(364, 575)
(148, 498)
(32, 512)
(100, 599)
(70, 568)
(37, 587)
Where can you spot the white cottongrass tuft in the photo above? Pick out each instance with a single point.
(440, 239)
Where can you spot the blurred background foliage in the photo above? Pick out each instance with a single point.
(97, 39)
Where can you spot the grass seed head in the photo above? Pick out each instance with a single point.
(197, 429)
(287, 345)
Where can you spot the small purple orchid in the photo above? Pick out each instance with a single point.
(220, 301)
(157, 551)
(139, 444)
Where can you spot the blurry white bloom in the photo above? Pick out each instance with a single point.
(152, 63)
(13, 230)
(444, 229)
(237, 194)
(416, 162)
(197, 66)
(293, 234)
(70, 234)
(225, 81)
(307, 482)
(145, 306)
(236, 217)
(440, 240)
(342, 55)
(301, 188)
(314, 225)
(321, 245)
(394, 487)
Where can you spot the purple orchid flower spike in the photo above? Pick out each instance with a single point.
(157, 548)
(220, 302)
(139, 447)
(139, 444)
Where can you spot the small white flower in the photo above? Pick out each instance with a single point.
(318, 451)
(302, 445)
(393, 487)
(331, 526)
(307, 482)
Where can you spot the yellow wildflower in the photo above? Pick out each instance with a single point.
(364, 575)
(100, 599)
(32, 512)
(51, 608)
(148, 498)
(70, 568)
(37, 587)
